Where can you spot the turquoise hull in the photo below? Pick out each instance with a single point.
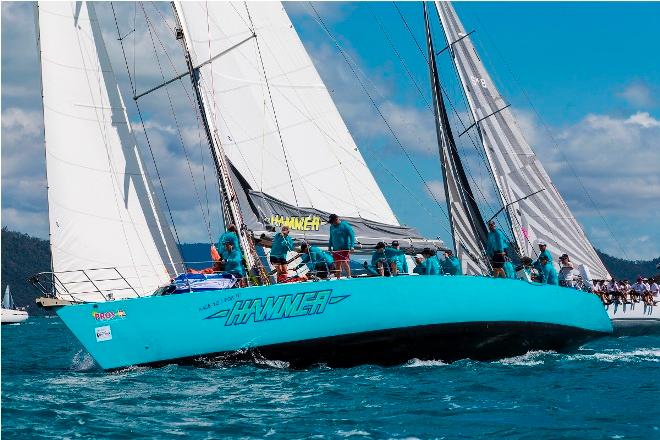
(342, 322)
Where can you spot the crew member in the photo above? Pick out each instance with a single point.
(281, 246)
(230, 234)
(509, 270)
(419, 268)
(549, 271)
(543, 250)
(318, 261)
(232, 260)
(451, 264)
(341, 243)
(379, 260)
(396, 259)
(496, 246)
(431, 262)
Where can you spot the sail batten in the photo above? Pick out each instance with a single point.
(515, 168)
(102, 208)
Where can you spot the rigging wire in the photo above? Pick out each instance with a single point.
(197, 117)
(151, 30)
(555, 144)
(151, 151)
(375, 105)
(474, 144)
(272, 104)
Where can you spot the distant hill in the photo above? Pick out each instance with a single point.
(23, 256)
(629, 270)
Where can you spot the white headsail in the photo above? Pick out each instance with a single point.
(103, 211)
(516, 169)
(275, 117)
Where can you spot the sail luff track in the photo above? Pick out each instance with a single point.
(467, 226)
(516, 169)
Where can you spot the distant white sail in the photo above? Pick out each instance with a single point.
(312, 147)
(7, 302)
(102, 209)
(516, 169)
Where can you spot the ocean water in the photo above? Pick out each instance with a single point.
(51, 388)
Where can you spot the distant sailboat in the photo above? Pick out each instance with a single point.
(10, 313)
(261, 101)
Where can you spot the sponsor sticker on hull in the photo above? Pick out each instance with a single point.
(103, 333)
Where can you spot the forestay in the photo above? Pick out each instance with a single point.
(516, 169)
(276, 120)
(102, 207)
(467, 226)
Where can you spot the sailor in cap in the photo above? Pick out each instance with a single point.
(543, 251)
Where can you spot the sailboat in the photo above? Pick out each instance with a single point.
(535, 210)
(283, 155)
(10, 313)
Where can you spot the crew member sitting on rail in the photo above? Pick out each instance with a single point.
(548, 270)
(524, 271)
(496, 245)
(654, 290)
(281, 246)
(318, 261)
(419, 269)
(379, 260)
(341, 243)
(232, 260)
(638, 289)
(431, 262)
(396, 259)
(451, 265)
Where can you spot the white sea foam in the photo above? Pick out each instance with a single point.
(412, 363)
(642, 354)
(528, 359)
(353, 433)
(82, 361)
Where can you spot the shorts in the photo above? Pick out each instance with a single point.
(497, 261)
(277, 260)
(340, 256)
(323, 269)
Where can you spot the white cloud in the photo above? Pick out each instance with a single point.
(643, 119)
(435, 189)
(638, 95)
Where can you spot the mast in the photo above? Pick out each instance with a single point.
(467, 226)
(231, 210)
(535, 209)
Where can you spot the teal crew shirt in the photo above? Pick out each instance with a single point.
(317, 256)
(342, 237)
(452, 266)
(281, 245)
(497, 242)
(233, 262)
(549, 274)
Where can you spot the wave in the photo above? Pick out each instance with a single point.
(413, 363)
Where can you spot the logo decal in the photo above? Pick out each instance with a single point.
(278, 307)
(103, 333)
(309, 223)
(108, 316)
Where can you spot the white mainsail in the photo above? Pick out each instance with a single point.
(516, 169)
(276, 120)
(467, 226)
(103, 211)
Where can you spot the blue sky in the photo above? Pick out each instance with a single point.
(584, 79)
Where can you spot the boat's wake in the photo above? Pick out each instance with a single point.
(413, 363)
